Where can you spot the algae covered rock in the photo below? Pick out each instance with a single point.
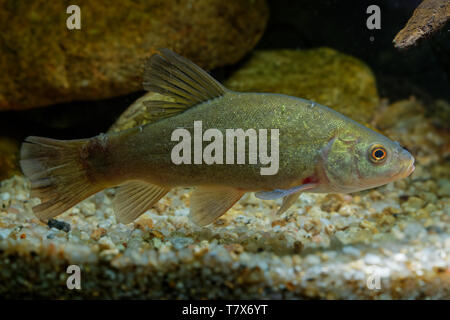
(136, 114)
(44, 63)
(323, 75)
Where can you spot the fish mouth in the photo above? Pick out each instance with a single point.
(409, 170)
(406, 172)
(408, 158)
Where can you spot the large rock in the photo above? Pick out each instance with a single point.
(323, 75)
(42, 62)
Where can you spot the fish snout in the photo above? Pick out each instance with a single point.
(408, 160)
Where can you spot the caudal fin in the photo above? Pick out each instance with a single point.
(56, 174)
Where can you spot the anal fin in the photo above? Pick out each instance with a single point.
(209, 203)
(133, 198)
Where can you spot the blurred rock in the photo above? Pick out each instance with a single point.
(9, 158)
(427, 140)
(430, 16)
(393, 114)
(323, 75)
(442, 114)
(44, 63)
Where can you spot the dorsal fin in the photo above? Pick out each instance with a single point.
(183, 81)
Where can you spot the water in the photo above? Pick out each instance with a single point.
(68, 84)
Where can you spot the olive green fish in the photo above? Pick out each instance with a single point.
(319, 150)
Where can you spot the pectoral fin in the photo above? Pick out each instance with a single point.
(274, 194)
(290, 199)
(289, 195)
(280, 193)
(209, 203)
(133, 198)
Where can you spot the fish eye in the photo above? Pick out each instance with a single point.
(377, 154)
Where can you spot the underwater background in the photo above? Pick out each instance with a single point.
(392, 242)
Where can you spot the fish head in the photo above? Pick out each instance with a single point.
(358, 158)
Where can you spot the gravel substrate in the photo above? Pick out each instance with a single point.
(389, 243)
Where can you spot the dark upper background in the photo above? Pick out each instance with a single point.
(423, 70)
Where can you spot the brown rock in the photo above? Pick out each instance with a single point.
(332, 202)
(144, 223)
(44, 63)
(98, 233)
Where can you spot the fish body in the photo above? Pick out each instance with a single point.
(319, 150)
(149, 149)
(306, 128)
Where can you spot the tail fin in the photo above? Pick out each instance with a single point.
(56, 174)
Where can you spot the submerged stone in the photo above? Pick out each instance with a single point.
(323, 75)
(44, 63)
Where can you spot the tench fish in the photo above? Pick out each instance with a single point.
(312, 149)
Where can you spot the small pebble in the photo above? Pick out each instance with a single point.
(60, 225)
(371, 258)
(6, 196)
